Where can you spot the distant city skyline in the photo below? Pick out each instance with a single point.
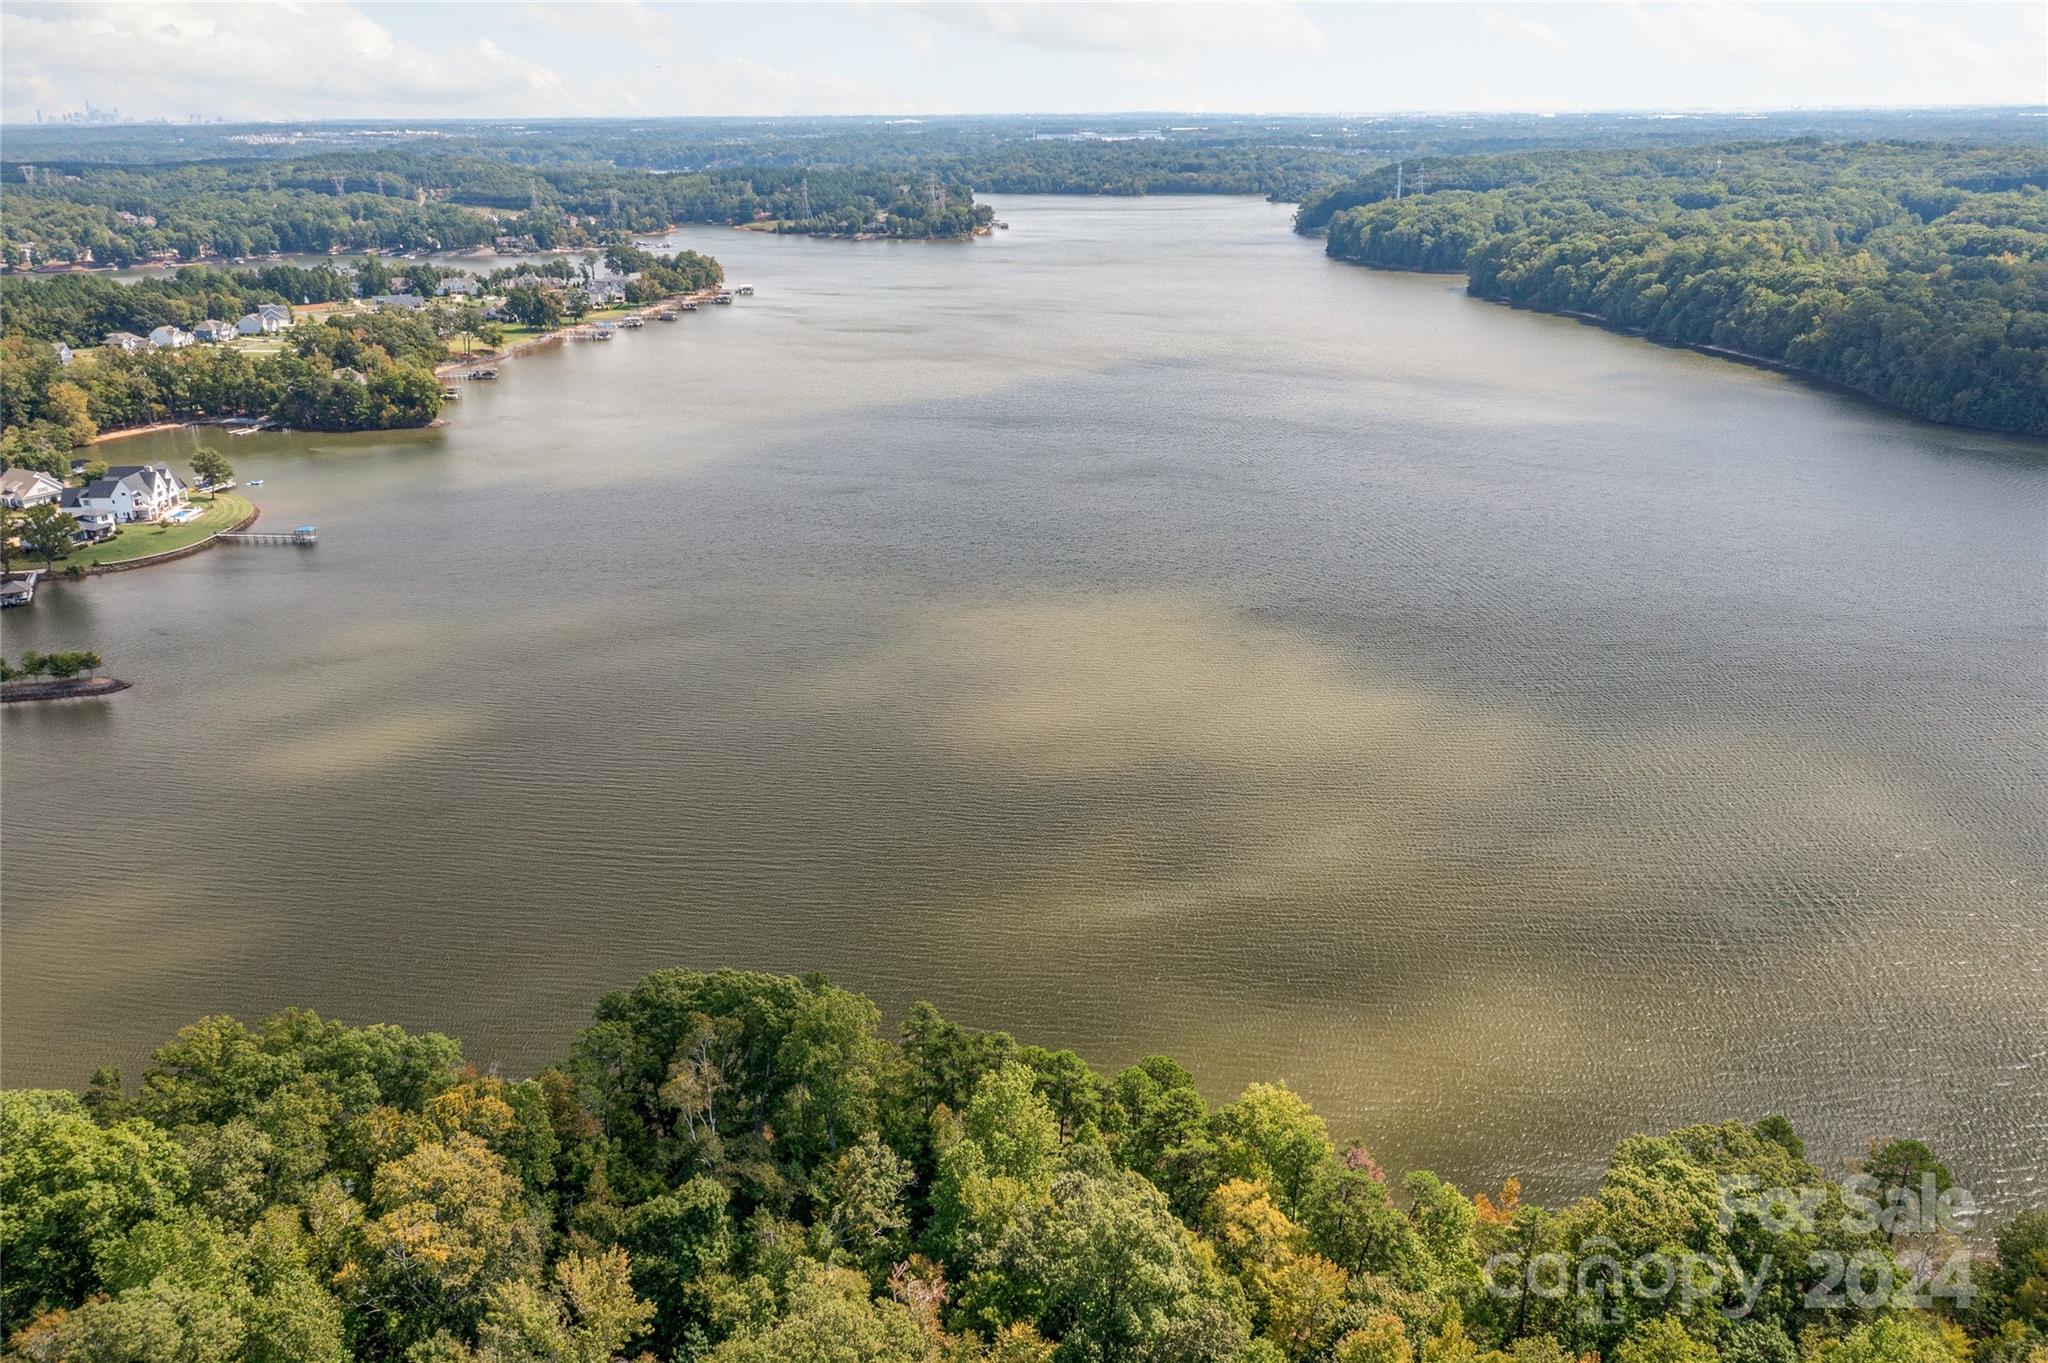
(296, 62)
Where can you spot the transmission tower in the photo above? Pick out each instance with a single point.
(1399, 166)
(803, 200)
(340, 184)
(532, 194)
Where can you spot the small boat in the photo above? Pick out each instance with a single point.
(482, 375)
(451, 394)
(722, 298)
(690, 307)
(255, 482)
(665, 315)
(745, 291)
(632, 322)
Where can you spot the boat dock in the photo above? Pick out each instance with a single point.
(305, 536)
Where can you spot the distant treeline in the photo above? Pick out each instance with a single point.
(740, 1168)
(426, 198)
(1916, 274)
(124, 194)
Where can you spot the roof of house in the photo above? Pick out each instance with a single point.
(118, 337)
(19, 482)
(140, 479)
(397, 300)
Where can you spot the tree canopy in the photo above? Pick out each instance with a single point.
(740, 1168)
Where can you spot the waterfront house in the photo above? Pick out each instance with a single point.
(130, 492)
(126, 341)
(408, 302)
(462, 284)
(93, 526)
(24, 488)
(275, 312)
(603, 291)
(351, 375)
(169, 338)
(63, 352)
(214, 332)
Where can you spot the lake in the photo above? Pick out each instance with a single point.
(1130, 630)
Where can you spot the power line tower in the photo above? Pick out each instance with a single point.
(615, 203)
(532, 194)
(379, 179)
(1421, 179)
(1399, 166)
(340, 184)
(938, 195)
(803, 200)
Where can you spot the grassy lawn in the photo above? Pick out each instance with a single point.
(223, 510)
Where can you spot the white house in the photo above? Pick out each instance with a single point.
(255, 324)
(130, 492)
(169, 338)
(93, 526)
(63, 352)
(23, 488)
(214, 332)
(462, 284)
(276, 312)
(408, 302)
(126, 341)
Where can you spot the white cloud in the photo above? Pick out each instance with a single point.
(257, 61)
(618, 21)
(1925, 38)
(1738, 33)
(1522, 28)
(1145, 29)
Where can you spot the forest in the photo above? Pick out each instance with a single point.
(1915, 274)
(359, 371)
(742, 1168)
(125, 194)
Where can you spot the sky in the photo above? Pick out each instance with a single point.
(299, 61)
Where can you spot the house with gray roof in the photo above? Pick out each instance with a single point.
(24, 488)
(130, 492)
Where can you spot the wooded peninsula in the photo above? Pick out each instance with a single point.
(740, 1168)
(1915, 274)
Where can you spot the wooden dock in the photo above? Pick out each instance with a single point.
(304, 536)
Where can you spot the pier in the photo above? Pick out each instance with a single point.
(305, 536)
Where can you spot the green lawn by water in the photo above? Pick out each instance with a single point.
(223, 510)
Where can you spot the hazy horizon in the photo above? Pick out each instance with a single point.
(299, 63)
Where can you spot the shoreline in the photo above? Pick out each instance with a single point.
(69, 688)
(1718, 352)
(455, 368)
(94, 570)
(123, 432)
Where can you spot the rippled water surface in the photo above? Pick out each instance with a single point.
(1131, 630)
